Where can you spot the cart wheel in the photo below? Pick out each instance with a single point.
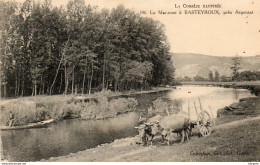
(205, 123)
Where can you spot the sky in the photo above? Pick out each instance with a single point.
(217, 35)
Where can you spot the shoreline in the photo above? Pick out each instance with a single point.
(4, 101)
(125, 149)
(124, 94)
(251, 114)
(77, 99)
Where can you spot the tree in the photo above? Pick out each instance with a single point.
(53, 50)
(8, 40)
(199, 78)
(249, 76)
(216, 76)
(211, 76)
(235, 67)
(187, 78)
(225, 78)
(138, 74)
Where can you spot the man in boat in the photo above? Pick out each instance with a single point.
(11, 119)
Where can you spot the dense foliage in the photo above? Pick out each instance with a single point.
(73, 49)
(248, 76)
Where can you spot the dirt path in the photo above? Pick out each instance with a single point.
(128, 154)
(227, 143)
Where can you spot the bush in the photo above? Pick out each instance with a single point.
(89, 111)
(57, 111)
(160, 105)
(104, 109)
(24, 112)
(64, 110)
(123, 105)
(27, 111)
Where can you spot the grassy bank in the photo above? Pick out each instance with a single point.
(100, 105)
(34, 109)
(248, 107)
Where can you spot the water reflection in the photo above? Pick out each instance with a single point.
(65, 137)
(235, 93)
(215, 97)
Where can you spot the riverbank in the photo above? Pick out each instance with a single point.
(100, 105)
(247, 107)
(234, 139)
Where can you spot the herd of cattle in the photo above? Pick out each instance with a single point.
(164, 126)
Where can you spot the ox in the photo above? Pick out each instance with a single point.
(172, 123)
(144, 134)
(145, 130)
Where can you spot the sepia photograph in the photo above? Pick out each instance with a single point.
(129, 81)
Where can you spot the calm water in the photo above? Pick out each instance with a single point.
(70, 136)
(215, 97)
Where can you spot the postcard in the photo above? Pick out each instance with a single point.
(129, 81)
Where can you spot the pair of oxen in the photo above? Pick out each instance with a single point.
(164, 126)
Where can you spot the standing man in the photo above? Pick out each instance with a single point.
(11, 119)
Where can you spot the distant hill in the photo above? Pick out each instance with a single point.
(188, 64)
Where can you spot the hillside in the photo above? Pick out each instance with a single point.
(188, 64)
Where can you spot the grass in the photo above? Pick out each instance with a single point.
(107, 109)
(230, 144)
(30, 109)
(33, 109)
(26, 111)
(250, 107)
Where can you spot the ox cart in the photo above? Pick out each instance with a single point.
(204, 123)
(205, 120)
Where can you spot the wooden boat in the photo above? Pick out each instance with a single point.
(31, 125)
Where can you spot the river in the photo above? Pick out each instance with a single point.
(73, 135)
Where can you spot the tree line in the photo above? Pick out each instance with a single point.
(246, 75)
(73, 49)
